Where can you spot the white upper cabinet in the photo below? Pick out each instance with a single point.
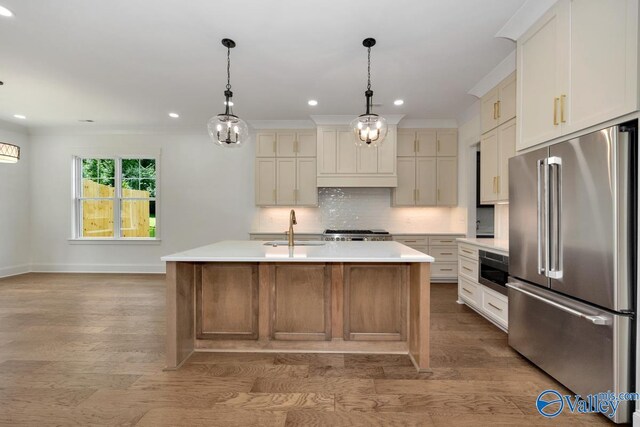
(426, 142)
(446, 142)
(286, 169)
(426, 181)
(499, 104)
(266, 144)
(496, 148)
(577, 68)
(406, 143)
(341, 163)
(447, 181)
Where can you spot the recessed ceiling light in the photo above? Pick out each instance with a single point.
(230, 103)
(5, 12)
(398, 102)
(174, 115)
(19, 116)
(312, 102)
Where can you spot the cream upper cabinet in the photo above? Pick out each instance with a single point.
(327, 151)
(307, 189)
(577, 68)
(489, 110)
(426, 181)
(507, 99)
(406, 143)
(489, 167)
(446, 142)
(506, 150)
(426, 143)
(296, 144)
(342, 163)
(347, 152)
(265, 186)
(265, 144)
(405, 193)
(286, 181)
(306, 143)
(603, 70)
(286, 144)
(447, 181)
(286, 168)
(496, 148)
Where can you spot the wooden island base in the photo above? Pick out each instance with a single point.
(298, 307)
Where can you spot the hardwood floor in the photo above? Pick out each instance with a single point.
(88, 350)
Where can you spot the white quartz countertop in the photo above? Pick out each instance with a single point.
(497, 245)
(257, 251)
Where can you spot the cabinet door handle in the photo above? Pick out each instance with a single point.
(467, 291)
(467, 268)
(494, 306)
(494, 185)
(438, 145)
(415, 146)
(495, 113)
(498, 103)
(497, 184)
(563, 98)
(555, 111)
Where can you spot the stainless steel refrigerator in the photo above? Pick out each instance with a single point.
(572, 260)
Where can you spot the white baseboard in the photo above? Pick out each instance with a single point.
(99, 268)
(636, 418)
(14, 270)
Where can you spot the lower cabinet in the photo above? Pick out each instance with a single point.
(490, 304)
(442, 247)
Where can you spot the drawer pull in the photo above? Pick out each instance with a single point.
(467, 252)
(446, 269)
(446, 253)
(446, 241)
(467, 291)
(496, 307)
(410, 241)
(467, 268)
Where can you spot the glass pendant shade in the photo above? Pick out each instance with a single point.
(369, 129)
(228, 130)
(9, 153)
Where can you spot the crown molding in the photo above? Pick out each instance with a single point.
(328, 120)
(524, 18)
(495, 76)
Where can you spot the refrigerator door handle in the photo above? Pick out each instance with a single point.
(541, 211)
(595, 319)
(554, 203)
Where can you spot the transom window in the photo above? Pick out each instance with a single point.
(115, 198)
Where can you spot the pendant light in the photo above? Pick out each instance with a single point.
(369, 128)
(227, 129)
(9, 153)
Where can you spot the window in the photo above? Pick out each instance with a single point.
(115, 198)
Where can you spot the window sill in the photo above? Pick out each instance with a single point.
(130, 241)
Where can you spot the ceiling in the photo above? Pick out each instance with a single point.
(130, 63)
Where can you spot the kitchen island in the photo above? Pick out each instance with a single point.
(347, 297)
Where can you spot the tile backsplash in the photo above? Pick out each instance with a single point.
(362, 208)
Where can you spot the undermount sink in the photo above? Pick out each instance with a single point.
(295, 243)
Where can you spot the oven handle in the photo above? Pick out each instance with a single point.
(596, 320)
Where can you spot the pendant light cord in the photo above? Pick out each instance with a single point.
(368, 68)
(228, 68)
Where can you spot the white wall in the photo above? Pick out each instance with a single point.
(14, 204)
(206, 195)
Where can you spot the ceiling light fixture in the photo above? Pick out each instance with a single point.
(312, 102)
(369, 128)
(20, 116)
(398, 102)
(227, 129)
(9, 153)
(5, 12)
(174, 115)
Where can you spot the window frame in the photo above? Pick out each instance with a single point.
(117, 200)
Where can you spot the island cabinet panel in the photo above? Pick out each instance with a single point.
(375, 302)
(180, 336)
(227, 301)
(301, 302)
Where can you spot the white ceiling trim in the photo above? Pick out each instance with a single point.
(428, 123)
(524, 18)
(281, 124)
(339, 120)
(495, 76)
